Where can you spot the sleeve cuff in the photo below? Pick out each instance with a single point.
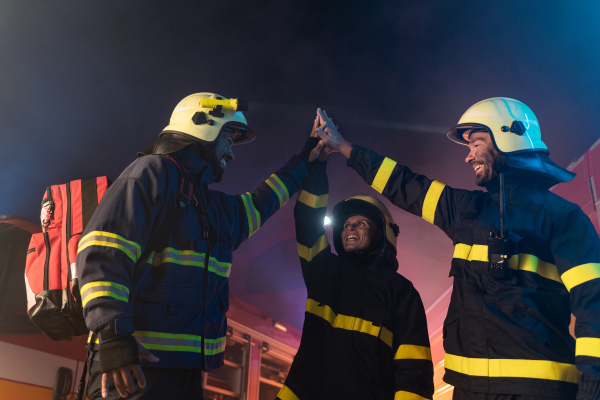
(119, 352)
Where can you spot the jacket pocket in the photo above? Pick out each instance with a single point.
(183, 295)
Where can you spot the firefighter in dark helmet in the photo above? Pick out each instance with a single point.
(524, 259)
(365, 332)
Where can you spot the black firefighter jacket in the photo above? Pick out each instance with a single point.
(365, 333)
(175, 303)
(509, 335)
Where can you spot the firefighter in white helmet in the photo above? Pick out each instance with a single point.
(154, 260)
(524, 259)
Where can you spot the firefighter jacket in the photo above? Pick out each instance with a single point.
(365, 332)
(509, 335)
(174, 302)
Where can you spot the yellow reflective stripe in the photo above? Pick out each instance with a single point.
(528, 262)
(99, 238)
(506, 368)
(413, 352)
(169, 341)
(93, 290)
(587, 346)
(386, 336)
(252, 213)
(279, 188)
(309, 253)
(383, 174)
(214, 346)
(581, 274)
(313, 200)
(342, 321)
(431, 200)
(402, 395)
(189, 258)
(285, 393)
(477, 252)
(520, 262)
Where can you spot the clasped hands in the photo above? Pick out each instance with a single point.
(330, 138)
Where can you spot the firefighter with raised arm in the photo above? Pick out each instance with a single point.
(365, 331)
(155, 258)
(524, 259)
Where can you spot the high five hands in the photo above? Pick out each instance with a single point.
(331, 139)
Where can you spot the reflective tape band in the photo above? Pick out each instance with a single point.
(93, 290)
(343, 321)
(313, 200)
(506, 368)
(587, 346)
(581, 274)
(285, 393)
(402, 395)
(309, 253)
(431, 200)
(279, 188)
(107, 239)
(517, 262)
(214, 346)
(252, 213)
(477, 252)
(383, 174)
(413, 352)
(189, 258)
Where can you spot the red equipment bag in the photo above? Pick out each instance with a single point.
(53, 298)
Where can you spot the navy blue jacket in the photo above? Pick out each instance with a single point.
(175, 303)
(509, 335)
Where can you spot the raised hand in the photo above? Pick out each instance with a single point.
(329, 134)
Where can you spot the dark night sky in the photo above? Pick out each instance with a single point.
(84, 85)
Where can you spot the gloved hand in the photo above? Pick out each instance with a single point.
(311, 149)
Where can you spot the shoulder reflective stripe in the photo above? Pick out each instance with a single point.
(279, 188)
(252, 213)
(342, 321)
(285, 393)
(383, 174)
(191, 258)
(520, 262)
(431, 200)
(506, 368)
(214, 346)
(93, 290)
(312, 200)
(581, 274)
(98, 238)
(413, 352)
(587, 346)
(402, 395)
(309, 253)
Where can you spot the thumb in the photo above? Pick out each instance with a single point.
(147, 355)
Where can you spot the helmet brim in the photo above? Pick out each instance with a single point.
(540, 163)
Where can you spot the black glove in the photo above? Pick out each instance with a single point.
(119, 352)
(310, 144)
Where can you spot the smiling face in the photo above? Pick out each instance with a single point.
(359, 233)
(221, 152)
(482, 155)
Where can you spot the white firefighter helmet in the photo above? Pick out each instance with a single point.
(204, 115)
(366, 206)
(515, 132)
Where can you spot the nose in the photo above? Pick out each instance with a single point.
(470, 156)
(230, 154)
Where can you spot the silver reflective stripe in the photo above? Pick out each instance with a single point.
(215, 346)
(279, 188)
(252, 213)
(191, 258)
